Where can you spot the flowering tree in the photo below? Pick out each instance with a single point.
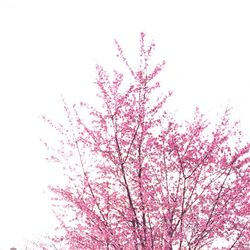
(137, 179)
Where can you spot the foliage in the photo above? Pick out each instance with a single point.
(138, 179)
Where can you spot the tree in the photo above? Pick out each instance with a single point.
(138, 179)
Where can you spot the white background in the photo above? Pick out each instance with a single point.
(50, 47)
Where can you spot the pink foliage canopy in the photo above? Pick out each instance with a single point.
(138, 179)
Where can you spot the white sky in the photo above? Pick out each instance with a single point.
(50, 47)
